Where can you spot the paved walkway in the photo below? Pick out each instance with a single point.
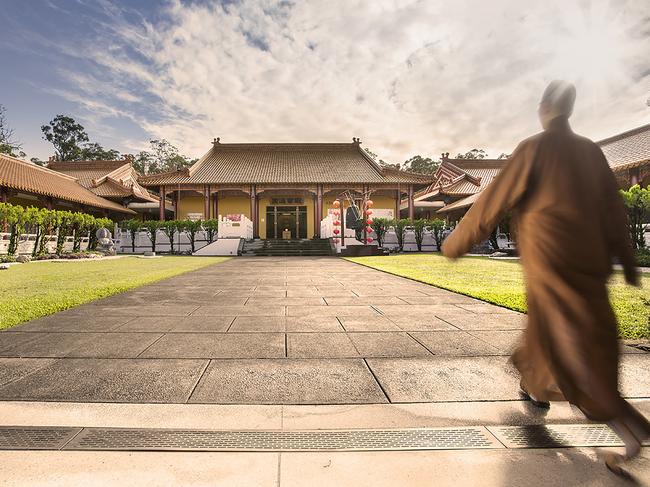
(275, 331)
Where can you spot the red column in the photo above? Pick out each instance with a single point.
(254, 211)
(206, 202)
(163, 196)
(398, 203)
(215, 205)
(411, 203)
(319, 208)
(3, 195)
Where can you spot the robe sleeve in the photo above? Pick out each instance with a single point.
(618, 236)
(502, 194)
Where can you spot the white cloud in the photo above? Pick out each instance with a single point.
(408, 77)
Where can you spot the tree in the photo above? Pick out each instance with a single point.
(419, 227)
(34, 217)
(92, 151)
(423, 165)
(152, 227)
(170, 228)
(162, 157)
(13, 216)
(637, 201)
(50, 225)
(133, 226)
(380, 227)
(211, 227)
(437, 226)
(79, 223)
(8, 144)
(191, 227)
(64, 227)
(66, 135)
(473, 154)
(400, 231)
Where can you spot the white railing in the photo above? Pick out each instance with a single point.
(235, 227)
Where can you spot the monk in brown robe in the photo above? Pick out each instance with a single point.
(570, 224)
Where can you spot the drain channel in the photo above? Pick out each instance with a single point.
(273, 440)
(35, 438)
(134, 439)
(555, 436)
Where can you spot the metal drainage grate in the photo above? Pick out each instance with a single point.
(162, 439)
(555, 436)
(35, 438)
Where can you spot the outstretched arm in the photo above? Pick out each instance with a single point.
(503, 193)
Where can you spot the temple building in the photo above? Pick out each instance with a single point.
(114, 180)
(456, 185)
(628, 154)
(24, 183)
(286, 189)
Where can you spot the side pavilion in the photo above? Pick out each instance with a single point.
(283, 187)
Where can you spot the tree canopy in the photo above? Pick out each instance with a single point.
(473, 154)
(66, 135)
(161, 157)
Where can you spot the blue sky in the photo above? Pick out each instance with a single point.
(408, 77)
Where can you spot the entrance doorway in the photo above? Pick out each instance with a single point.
(286, 222)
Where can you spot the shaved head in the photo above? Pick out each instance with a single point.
(557, 101)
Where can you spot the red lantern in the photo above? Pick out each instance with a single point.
(368, 212)
(370, 239)
(336, 231)
(369, 204)
(369, 230)
(369, 221)
(336, 223)
(337, 204)
(336, 212)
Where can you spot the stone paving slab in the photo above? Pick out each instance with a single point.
(218, 345)
(494, 321)
(420, 322)
(72, 323)
(388, 345)
(454, 343)
(95, 345)
(12, 369)
(370, 323)
(289, 381)
(175, 324)
(109, 380)
(323, 324)
(446, 379)
(320, 345)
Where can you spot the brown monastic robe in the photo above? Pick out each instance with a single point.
(570, 224)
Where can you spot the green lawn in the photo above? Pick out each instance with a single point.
(41, 288)
(502, 283)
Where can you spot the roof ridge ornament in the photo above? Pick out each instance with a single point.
(216, 141)
(356, 140)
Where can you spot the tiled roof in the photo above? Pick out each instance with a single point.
(628, 149)
(284, 163)
(460, 204)
(461, 177)
(30, 178)
(109, 179)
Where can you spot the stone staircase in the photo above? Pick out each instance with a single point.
(271, 247)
